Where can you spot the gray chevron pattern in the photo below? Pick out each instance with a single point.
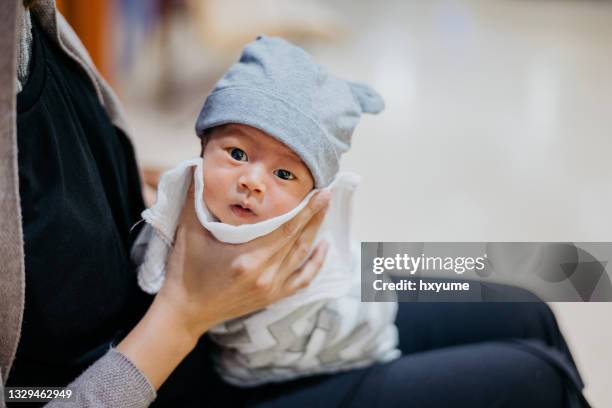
(308, 340)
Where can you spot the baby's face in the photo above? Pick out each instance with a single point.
(250, 177)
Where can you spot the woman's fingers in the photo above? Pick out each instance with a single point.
(301, 246)
(268, 261)
(288, 259)
(306, 273)
(289, 231)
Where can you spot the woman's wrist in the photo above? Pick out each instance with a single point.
(174, 305)
(159, 342)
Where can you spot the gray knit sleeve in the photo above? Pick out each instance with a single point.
(112, 381)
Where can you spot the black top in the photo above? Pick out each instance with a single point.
(80, 194)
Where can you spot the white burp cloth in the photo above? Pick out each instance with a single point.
(152, 246)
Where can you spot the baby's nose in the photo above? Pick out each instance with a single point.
(256, 188)
(253, 181)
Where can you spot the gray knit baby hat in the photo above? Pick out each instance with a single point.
(277, 88)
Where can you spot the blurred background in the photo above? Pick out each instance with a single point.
(498, 124)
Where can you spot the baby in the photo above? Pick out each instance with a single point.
(273, 130)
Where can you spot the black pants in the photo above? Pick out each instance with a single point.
(454, 355)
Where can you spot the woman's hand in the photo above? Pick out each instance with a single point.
(208, 282)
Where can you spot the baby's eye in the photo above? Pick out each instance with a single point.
(284, 174)
(238, 154)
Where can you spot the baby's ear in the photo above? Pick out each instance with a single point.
(369, 100)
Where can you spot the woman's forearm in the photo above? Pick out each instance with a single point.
(158, 343)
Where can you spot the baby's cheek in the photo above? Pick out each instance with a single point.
(284, 202)
(210, 198)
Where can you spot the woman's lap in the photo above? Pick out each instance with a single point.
(454, 354)
(426, 326)
(476, 375)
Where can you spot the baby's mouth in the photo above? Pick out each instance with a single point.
(241, 211)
